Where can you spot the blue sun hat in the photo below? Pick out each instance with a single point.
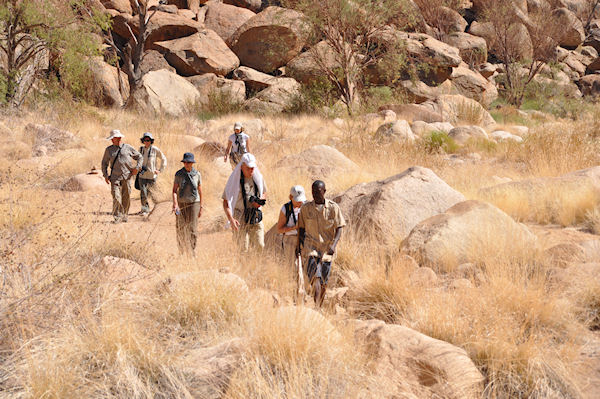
(188, 157)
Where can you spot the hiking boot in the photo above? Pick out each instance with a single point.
(144, 214)
(124, 220)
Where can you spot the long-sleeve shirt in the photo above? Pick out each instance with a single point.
(122, 166)
(149, 161)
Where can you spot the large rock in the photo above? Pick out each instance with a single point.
(457, 108)
(590, 85)
(462, 134)
(48, 140)
(270, 39)
(319, 161)
(119, 5)
(472, 49)
(274, 99)
(469, 232)
(572, 34)
(503, 136)
(390, 208)
(208, 371)
(421, 128)
(162, 27)
(253, 5)
(203, 52)
(414, 112)
(306, 66)
(209, 85)
(257, 81)
(417, 365)
(105, 79)
(396, 131)
(86, 182)
(225, 19)
(419, 92)
(164, 92)
(518, 39)
(472, 85)
(154, 61)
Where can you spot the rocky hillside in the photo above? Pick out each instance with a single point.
(259, 55)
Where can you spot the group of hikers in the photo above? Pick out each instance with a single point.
(310, 230)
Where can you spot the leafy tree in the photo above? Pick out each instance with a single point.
(31, 30)
(350, 29)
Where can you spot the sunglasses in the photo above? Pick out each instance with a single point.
(146, 140)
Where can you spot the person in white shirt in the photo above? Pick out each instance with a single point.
(287, 225)
(238, 144)
(149, 171)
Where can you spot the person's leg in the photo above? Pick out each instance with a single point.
(184, 227)
(145, 186)
(115, 190)
(125, 197)
(193, 225)
(256, 236)
(324, 272)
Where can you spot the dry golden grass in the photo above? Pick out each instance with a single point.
(64, 333)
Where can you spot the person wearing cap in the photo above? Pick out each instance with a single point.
(149, 171)
(238, 144)
(187, 204)
(287, 224)
(244, 194)
(320, 224)
(120, 157)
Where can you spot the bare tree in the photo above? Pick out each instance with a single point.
(348, 30)
(512, 35)
(132, 52)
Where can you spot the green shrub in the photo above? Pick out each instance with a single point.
(313, 97)
(438, 141)
(219, 103)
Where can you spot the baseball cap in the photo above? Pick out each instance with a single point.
(298, 194)
(237, 125)
(249, 160)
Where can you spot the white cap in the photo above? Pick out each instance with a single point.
(237, 125)
(249, 160)
(114, 134)
(297, 193)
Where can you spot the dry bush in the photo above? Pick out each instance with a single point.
(436, 16)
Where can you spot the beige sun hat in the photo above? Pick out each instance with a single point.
(115, 133)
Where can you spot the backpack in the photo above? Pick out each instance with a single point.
(289, 211)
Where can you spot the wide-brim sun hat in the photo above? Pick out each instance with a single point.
(249, 160)
(188, 157)
(115, 133)
(298, 194)
(147, 135)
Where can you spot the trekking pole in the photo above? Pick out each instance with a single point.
(299, 277)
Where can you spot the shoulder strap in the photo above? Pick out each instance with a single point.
(112, 165)
(289, 211)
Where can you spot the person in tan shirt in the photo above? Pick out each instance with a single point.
(320, 224)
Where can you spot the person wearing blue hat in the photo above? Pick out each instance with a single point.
(187, 204)
(149, 172)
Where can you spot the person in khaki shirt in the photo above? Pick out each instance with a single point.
(320, 224)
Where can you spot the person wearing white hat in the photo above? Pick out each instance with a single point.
(121, 159)
(238, 144)
(244, 195)
(287, 224)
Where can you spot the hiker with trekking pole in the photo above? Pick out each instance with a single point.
(320, 224)
(287, 227)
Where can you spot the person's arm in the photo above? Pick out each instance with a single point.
(301, 233)
(163, 161)
(281, 224)
(229, 144)
(104, 165)
(175, 190)
(248, 145)
(235, 225)
(200, 195)
(338, 235)
(139, 158)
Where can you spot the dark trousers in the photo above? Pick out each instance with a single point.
(187, 226)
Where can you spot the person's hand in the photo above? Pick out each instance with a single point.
(176, 209)
(106, 180)
(255, 205)
(297, 251)
(235, 225)
(225, 159)
(156, 172)
(134, 171)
